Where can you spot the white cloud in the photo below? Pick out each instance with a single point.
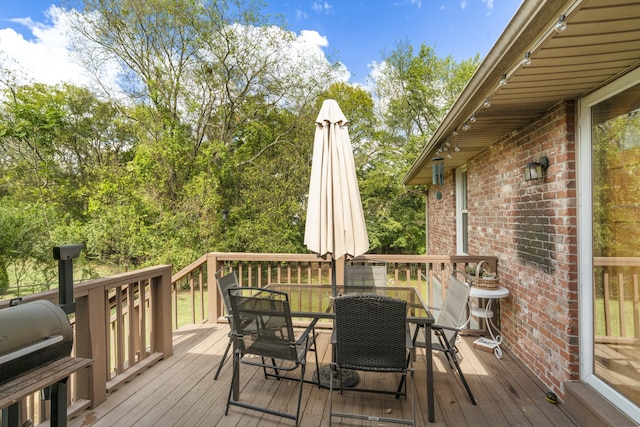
(309, 45)
(411, 3)
(463, 5)
(312, 38)
(46, 57)
(489, 4)
(321, 6)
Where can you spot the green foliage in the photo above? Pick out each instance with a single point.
(213, 117)
(23, 241)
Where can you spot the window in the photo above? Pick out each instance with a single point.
(462, 214)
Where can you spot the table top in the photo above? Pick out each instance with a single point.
(501, 292)
(315, 301)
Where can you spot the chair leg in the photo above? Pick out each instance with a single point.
(316, 354)
(330, 400)
(224, 358)
(303, 370)
(235, 382)
(464, 381)
(413, 340)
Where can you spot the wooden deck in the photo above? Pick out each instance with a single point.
(181, 391)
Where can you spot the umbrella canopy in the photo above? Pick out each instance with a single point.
(335, 221)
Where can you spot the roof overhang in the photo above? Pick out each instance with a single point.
(601, 43)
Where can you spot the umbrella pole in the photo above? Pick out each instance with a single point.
(333, 277)
(327, 374)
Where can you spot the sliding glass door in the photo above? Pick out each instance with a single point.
(610, 277)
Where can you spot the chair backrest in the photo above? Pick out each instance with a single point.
(368, 274)
(453, 313)
(262, 320)
(371, 332)
(225, 283)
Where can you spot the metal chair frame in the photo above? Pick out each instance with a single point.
(263, 327)
(365, 273)
(450, 321)
(225, 283)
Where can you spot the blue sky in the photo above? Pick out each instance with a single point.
(360, 30)
(357, 32)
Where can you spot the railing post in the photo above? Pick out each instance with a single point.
(161, 333)
(91, 338)
(214, 305)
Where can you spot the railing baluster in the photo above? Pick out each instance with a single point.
(607, 310)
(201, 291)
(132, 336)
(621, 309)
(192, 293)
(636, 306)
(143, 319)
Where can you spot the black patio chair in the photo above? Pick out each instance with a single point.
(452, 317)
(371, 334)
(225, 283)
(364, 273)
(263, 327)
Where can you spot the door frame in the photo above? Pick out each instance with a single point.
(585, 239)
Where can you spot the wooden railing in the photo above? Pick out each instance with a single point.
(122, 322)
(617, 299)
(192, 283)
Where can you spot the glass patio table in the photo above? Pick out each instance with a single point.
(315, 302)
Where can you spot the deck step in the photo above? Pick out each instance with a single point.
(589, 408)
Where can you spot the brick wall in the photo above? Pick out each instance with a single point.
(531, 227)
(442, 218)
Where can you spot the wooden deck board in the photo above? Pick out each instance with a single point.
(181, 391)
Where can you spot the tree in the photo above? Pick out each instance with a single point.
(23, 235)
(55, 138)
(412, 93)
(216, 79)
(416, 91)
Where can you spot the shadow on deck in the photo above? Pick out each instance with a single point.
(181, 391)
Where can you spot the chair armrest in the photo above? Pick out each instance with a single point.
(307, 331)
(449, 328)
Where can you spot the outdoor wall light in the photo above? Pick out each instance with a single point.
(437, 171)
(535, 170)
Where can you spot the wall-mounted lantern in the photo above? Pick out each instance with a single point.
(437, 170)
(536, 170)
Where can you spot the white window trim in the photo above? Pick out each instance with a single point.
(585, 239)
(459, 188)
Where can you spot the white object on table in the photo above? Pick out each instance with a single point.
(487, 314)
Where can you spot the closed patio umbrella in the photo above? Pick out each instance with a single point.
(335, 224)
